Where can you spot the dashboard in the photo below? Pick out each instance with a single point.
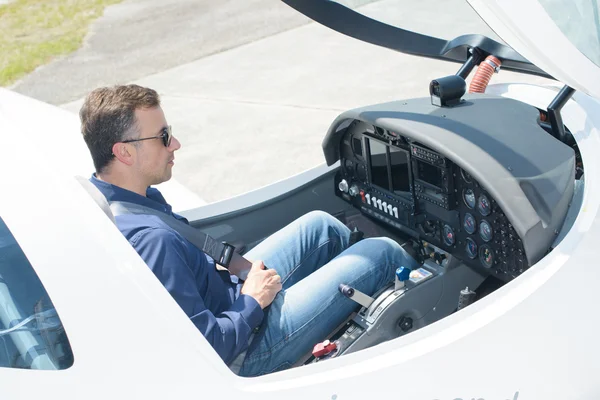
(423, 193)
(492, 194)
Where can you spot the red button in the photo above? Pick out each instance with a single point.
(324, 348)
(362, 196)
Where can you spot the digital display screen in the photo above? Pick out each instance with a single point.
(429, 173)
(378, 163)
(400, 172)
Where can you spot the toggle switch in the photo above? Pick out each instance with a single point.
(368, 198)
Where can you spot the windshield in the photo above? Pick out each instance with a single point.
(445, 19)
(579, 21)
(31, 334)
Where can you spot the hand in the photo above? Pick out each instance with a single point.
(261, 284)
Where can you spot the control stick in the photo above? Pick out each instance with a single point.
(465, 298)
(356, 295)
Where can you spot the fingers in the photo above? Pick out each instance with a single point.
(276, 279)
(270, 274)
(274, 283)
(258, 265)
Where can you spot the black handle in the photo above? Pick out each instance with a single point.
(346, 290)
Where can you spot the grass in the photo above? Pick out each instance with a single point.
(33, 32)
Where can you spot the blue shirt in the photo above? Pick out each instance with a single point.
(211, 298)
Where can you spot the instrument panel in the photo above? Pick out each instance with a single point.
(420, 192)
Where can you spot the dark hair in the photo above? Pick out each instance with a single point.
(108, 116)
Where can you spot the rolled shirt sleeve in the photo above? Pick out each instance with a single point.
(192, 280)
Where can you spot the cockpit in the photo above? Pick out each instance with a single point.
(478, 190)
(490, 194)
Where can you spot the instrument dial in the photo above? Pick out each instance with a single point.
(471, 248)
(486, 256)
(485, 231)
(469, 198)
(483, 205)
(466, 176)
(449, 237)
(349, 165)
(469, 224)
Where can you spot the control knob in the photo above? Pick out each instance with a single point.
(343, 186)
(353, 190)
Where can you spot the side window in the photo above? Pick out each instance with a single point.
(31, 334)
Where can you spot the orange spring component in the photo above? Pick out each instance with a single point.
(484, 73)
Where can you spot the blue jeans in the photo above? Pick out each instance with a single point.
(312, 257)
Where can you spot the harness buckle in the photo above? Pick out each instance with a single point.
(226, 254)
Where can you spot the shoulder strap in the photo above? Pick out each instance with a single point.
(222, 252)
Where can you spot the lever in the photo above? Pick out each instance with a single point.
(355, 236)
(402, 275)
(356, 295)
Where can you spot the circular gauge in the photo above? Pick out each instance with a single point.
(349, 165)
(483, 205)
(485, 231)
(466, 176)
(469, 198)
(486, 256)
(449, 238)
(471, 248)
(469, 224)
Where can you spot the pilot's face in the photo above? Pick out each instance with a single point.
(153, 160)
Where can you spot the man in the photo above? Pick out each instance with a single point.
(132, 148)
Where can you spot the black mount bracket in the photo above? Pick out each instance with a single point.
(475, 57)
(556, 122)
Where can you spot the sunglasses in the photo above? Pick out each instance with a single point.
(166, 135)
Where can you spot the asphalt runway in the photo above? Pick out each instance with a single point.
(251, 87)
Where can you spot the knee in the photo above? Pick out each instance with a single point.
(384, 248)
(318, 216)
(322, 219)
(379, 245)
(322, 224)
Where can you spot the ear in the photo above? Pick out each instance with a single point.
(123, 153)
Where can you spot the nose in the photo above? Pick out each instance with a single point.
(175, 144)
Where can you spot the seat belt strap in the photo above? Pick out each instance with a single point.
(222, 252)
